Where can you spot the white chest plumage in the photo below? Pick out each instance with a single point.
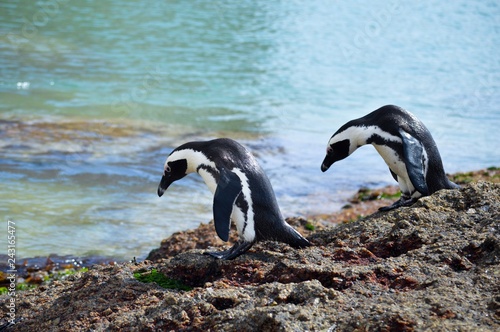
(396, 165)
(208, 179)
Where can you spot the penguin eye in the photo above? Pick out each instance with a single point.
(168, 169)
(329, 150)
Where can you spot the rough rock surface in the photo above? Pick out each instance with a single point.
(434, 266)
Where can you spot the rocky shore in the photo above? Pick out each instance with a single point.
(434, 266)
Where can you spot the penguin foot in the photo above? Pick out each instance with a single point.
(236, 250)
(403, 201)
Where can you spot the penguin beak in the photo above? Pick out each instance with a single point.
(164, 184)
(327, 162)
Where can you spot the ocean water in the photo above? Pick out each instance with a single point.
(95, 94)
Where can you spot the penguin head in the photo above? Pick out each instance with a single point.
(176, 167)
(345, 141)
(184, 160)
(335, 151)
(174, 170)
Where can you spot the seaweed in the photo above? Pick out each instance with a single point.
(161, 280)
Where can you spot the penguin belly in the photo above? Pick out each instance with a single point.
(395, 163)
(245, 230)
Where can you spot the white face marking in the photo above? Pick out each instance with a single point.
(358, 135)
(248, 232)
(193, 158)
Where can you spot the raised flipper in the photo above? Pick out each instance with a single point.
(236, 250)
(228, 189)
(412, 154)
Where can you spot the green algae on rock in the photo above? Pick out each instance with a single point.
(154, 276)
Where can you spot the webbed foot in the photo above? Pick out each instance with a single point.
(236, 250)
(403, 201)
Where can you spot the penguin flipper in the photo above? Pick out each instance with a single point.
(228, 189)
(412, 154)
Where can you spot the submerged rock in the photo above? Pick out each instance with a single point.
(433, 266)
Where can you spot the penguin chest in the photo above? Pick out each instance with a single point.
(209, 179)
(244, 222)
(396, 164)
(392, 159)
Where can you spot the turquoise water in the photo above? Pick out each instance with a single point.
(94, 95)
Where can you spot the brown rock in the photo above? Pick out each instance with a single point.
(430, 267)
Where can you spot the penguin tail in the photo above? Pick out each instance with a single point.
(295, 239)
(451, 185)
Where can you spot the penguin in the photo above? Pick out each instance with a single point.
(404, 143)
(242, 193)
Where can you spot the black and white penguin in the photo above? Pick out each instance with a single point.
(242, 193)
(404, 143)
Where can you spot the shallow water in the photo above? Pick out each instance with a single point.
(94, 95)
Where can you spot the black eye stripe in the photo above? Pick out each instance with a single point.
(176, 168)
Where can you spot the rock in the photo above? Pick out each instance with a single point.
(205, 236)
(433, 266)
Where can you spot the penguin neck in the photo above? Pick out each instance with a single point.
(357, 136)
(209, 175)
(197, 162)
(361, 135)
